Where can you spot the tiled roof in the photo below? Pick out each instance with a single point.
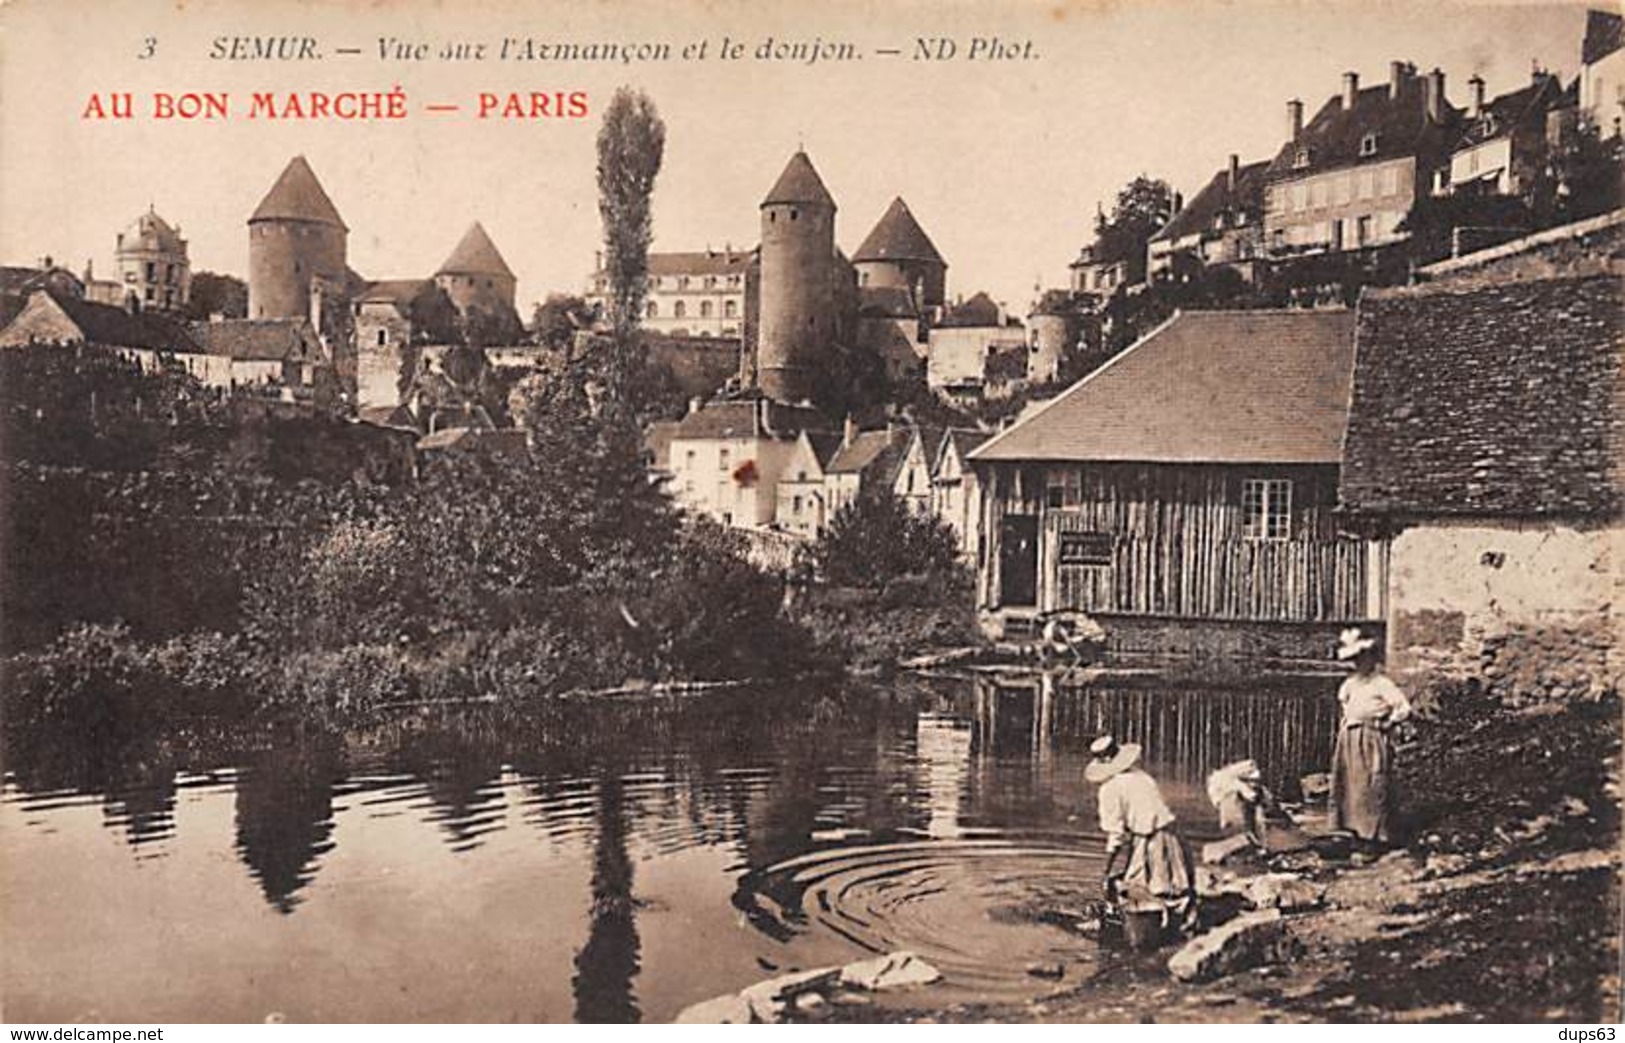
(1511, 110)
(657, 440)
(1605, 34)
(964, 439)
(979, 310)
(115, 327)
(1216, 197)
(799, 183)
(153, 232)
(886, 302)
(400, 292)
(878, 453)
(897, 237)
(1502, 400)
(744, 418)
(1204, 387)
(23, 281)
(700, 262)
(475, 255)
(1334, 137)
(264, 340)
(297, 196)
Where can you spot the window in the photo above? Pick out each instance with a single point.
(679, 309)
(1266, 508)
(705, 309)
(730, 309)
(1055, 496)
(1300, 158)
(710, 281)
(169, 273)
(795, 504)
(727, 518)
(383, 338)
(1300, 196)
(794, 213)
(682, 282)
(1368, 145)
(1362, 230)
(722, 459)
(152, 271)
(652, 311)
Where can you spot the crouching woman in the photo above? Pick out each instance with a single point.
(1148, 867)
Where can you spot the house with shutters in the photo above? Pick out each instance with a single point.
(1193, 477)
(955, 493)
(727, 456)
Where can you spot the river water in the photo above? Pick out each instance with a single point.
(594, 861)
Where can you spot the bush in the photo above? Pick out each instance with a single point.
(877, 540)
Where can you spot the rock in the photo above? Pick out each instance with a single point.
(1051, 970)
(1287, 892)
(1250, 940)
(812, 1006)
(1215, 852)
(893, 971)
(768, 1000)
(724, 1010)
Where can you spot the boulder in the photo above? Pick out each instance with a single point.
(1287, 892)
(893, 971)
(1250, 940)
(768, 1000)
(724, 1010)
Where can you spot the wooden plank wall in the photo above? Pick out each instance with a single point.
(1179, 545)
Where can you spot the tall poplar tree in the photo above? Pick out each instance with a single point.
(631, 144)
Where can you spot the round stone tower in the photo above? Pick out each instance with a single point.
(897, 254)
(295, 235)
(797, 297)
(476, 277)
(153, 265)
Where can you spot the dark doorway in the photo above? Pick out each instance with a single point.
(1018, 560)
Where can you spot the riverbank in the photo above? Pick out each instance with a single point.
(1504, 906)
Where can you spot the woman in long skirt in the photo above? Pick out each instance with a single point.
(1148, 867)
(1363, 756)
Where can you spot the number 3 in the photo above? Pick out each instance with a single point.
(149, 47)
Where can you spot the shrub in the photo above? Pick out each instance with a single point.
(877, 540)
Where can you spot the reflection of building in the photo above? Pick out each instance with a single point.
(943, 745)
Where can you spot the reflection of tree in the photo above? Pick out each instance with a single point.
(606, 965)
(285, 819)
(466, 805)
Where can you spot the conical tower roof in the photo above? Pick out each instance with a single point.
(297, 196)
(898, 237)
(475, 255)
(799, 183)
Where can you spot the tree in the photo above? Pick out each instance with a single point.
(1143, 206)
(555, 321)
(876, 540)
(214, 294)
(631, 144)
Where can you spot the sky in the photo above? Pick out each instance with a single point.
(1002, 161)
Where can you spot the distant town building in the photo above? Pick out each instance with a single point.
(956, 495)
(726, 457)
(1223, 224)
(152, 264)
(1504, 144)
(968, 344)
(1602, 72)
(480, 284)
(694, 294)
(1347, 179)
(866, 464)
(797, 324)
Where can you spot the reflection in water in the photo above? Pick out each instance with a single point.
(606, 965)
(778, 829)
(285, 819)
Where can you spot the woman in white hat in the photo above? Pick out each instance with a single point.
(1363, 757)
(1147, 865)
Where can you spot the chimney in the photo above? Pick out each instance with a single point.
(1433, 92)
(849, 432)
(1235, 172)
(1351, 89)
(1398, 72)
(1477, 86)
(1294, 119)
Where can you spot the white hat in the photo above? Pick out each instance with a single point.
(1110, 759)
(1352, 641)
